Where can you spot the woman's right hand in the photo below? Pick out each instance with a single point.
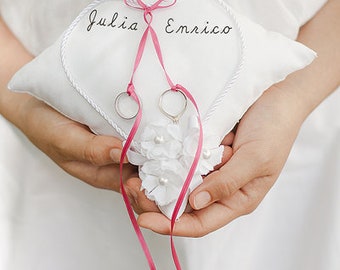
(91, 158)
(72, 146)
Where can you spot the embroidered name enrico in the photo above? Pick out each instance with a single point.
(207, 28)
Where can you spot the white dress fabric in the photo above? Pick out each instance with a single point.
(49, 220)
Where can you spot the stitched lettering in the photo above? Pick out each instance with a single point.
(171, 27)
(205, 29)
(116, 22)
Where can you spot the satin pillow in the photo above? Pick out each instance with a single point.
(224, 60)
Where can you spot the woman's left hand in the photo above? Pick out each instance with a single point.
(261, 146)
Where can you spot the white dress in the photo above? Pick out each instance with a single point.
(49, 220)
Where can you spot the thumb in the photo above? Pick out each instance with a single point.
(243, 167)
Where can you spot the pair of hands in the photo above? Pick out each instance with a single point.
(254, 157)
(253, 160)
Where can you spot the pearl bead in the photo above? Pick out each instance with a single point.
(206, 154)
(163, 181)
(159, 139)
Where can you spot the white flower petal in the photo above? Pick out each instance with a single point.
(136, 158)
(168, 209)
(193, 123)
(190, 145)
(150, 183)
(151, 167)
(148, 134)
(195, 182)
(211, 141)
(207, 165)
(175, 132)
(216, 155)
(165, 194)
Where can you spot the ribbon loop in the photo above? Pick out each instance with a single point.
(139, 4)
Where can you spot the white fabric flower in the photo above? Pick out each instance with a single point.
(212, 151)
(165, 158)
(162, 180)
(161, 141)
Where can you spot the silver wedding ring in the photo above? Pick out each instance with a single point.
(121, 106)
(174, 117)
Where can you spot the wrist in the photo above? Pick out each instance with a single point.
(295, 100)
(305, 89)
(284, 106)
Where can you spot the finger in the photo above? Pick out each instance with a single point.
(79, 144)
(104, 177)
(64, 140)
(227, 154)
(217, 215)
(243, 167)
(228, 139)
(139, 201)
(195, 224)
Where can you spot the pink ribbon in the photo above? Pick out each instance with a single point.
(148, 16)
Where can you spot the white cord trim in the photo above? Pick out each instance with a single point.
(69, 76)
(217, 102)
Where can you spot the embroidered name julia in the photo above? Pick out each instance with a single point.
(116, 21)
(172, 27)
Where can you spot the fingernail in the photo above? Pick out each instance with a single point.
(202, 199)
(115, 155)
